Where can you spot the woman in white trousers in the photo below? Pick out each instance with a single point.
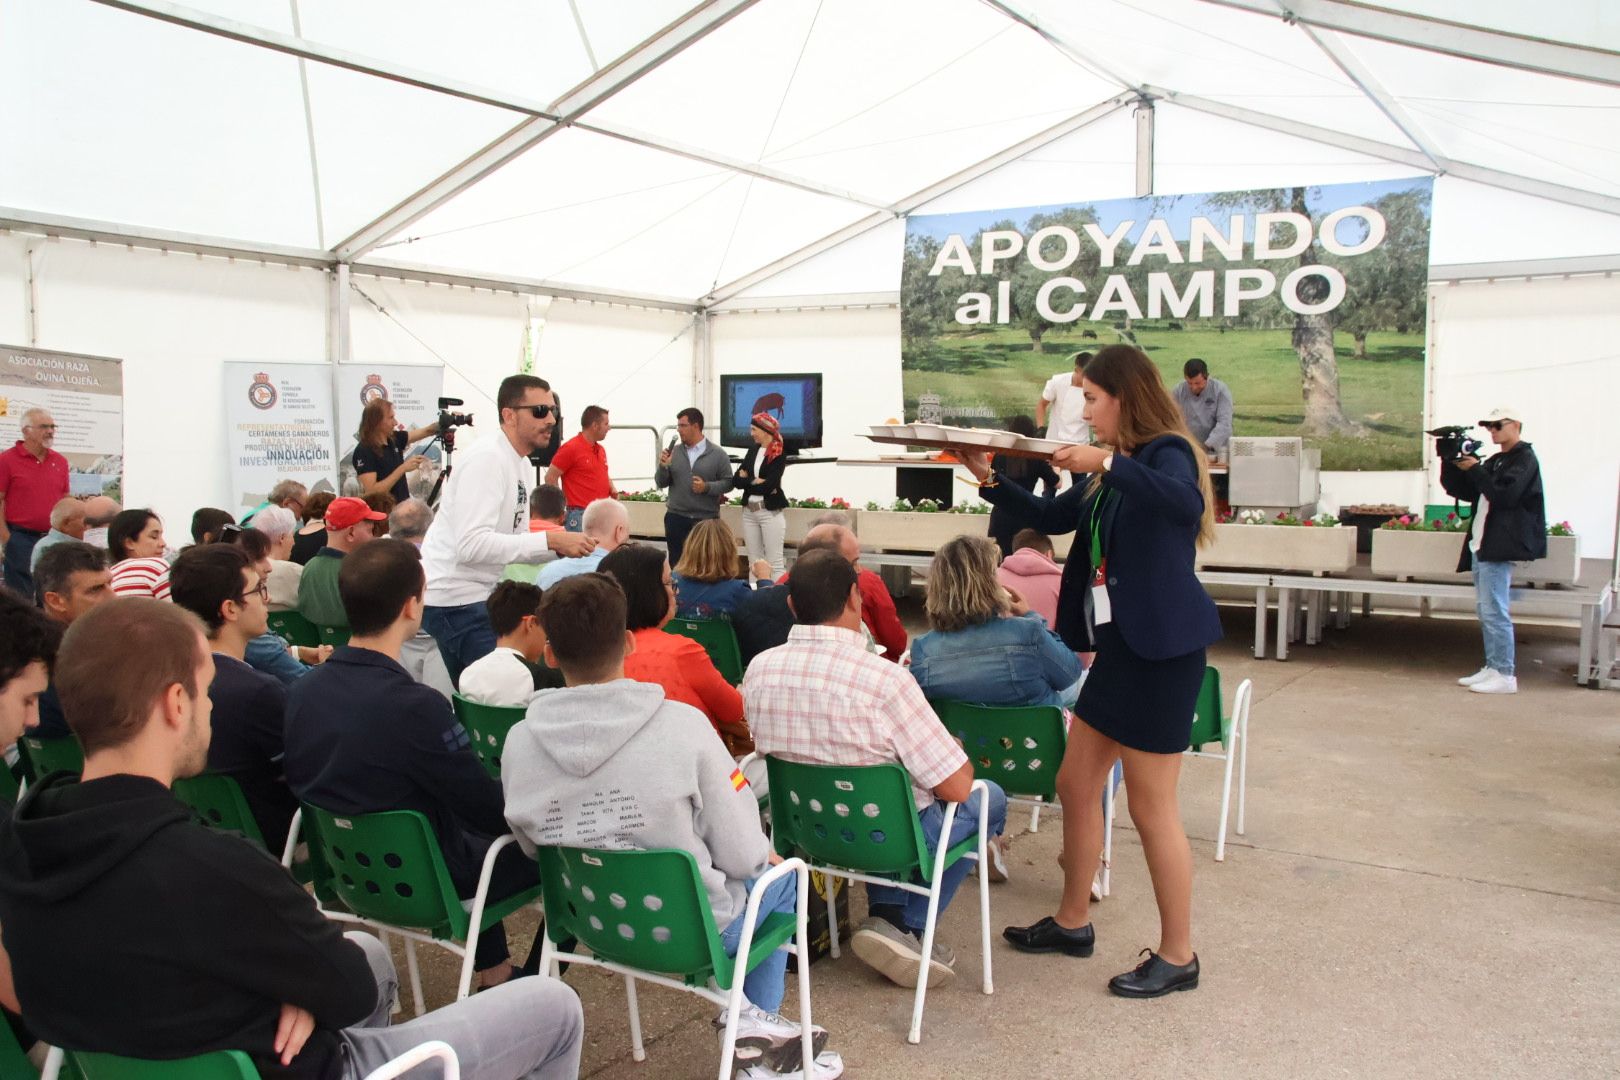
(764, 525)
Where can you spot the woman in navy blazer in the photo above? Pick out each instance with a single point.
(1129, 593)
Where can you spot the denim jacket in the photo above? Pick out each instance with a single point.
(1005, 661)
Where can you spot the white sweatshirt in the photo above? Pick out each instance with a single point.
(481, 525)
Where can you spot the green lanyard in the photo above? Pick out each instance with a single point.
(1096, 526)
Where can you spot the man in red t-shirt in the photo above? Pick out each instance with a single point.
(33, 478)
(581, 466)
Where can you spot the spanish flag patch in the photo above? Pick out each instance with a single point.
(738, 780)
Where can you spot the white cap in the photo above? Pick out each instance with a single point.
(1504, 413)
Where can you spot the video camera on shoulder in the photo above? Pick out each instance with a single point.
(1451, 443)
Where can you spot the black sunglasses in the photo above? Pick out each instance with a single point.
(539, 412)
(1492, 425)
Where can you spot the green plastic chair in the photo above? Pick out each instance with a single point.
(646, 915)
(219, 1065)
(10, 789)
(1021, 748)
(334, 635)
(488, 726)
(13, 1060)
(388, 871)
(860, 822)
(218, 802)
(1231, 731)
(295, 629)
(718, 639)
(42, 756)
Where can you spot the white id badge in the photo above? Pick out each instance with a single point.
(1101, 610)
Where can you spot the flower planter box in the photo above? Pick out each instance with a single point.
(1301, 549)
(646, 518)
(914, 531)
(731, 514)
(1560, 566)
(1412, 554)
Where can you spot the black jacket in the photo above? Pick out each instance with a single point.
(766, 484)
(1516, 520)
(1026, 473)
(1148, 531)
(362, 737)
(762, 620)
(134, 931)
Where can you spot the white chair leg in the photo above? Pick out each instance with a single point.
(1226, 803)
(53, 1064)
(548, 956)
(914, 1036)
(1243, 763)
(636, 1050)
(415, 971)
(984, 886)
(801, 952)
(1109, 792)
(1035, 818)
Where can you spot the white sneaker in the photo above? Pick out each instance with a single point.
(827, 1066)
(767, 1037)
(1496, 683)
(1477, 677)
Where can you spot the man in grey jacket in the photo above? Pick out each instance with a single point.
(697, 474)
(609, 763)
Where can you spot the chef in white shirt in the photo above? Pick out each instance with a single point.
(1061, 410)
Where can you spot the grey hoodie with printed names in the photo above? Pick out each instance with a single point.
(617, 766)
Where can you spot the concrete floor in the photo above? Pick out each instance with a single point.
(1430, 886)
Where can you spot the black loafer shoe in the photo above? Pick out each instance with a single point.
(1047, 936)
(1155, 977)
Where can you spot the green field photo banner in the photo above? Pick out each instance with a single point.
(1309, 303)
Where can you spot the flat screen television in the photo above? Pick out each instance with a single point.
(794, 399)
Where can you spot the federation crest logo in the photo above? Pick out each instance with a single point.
(373, 390)
(262, 394)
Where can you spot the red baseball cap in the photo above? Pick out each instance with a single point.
(349, 511)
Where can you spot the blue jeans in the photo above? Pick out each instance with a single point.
(18, 560)
(574, 520)
(765, 985)
(1491, 583)
(966, 824)
(463, 634)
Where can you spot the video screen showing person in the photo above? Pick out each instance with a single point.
(795, 401)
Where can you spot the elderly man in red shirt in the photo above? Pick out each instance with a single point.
(33, 477)
(581, 466)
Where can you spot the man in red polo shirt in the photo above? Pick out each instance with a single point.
(581, 466)
(33, 477)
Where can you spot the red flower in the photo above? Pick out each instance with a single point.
(1308, 521)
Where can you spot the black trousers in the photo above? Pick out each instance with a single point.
(676, 529)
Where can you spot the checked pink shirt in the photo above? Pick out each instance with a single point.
(823, 699)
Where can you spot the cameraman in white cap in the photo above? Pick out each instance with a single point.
(1508, 525)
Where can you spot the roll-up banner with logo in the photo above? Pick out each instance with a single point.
(413, 388)
(279, 421)
(84, 395)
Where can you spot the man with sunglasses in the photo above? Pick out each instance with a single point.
(33, 478)
(483, 524)
(1507, 524)
(216, 583)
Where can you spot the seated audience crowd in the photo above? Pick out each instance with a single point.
(130, 927)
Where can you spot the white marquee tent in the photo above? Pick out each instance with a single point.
(674, 192)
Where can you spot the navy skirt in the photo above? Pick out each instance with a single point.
(1143, 704)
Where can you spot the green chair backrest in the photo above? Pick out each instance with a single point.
(1019, 747)
(294, 628)
(387, 867)
(219, 1065)
(334, 635)
(859, 817)
(643, 909)
(13, 1061)
(42, 756)
(487, 725)
(1209, 725)
(10, 790)
(718, 639)
(219, 804)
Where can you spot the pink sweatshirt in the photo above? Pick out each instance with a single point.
(1034, 576)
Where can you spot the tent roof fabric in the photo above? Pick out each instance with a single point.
(687, 155)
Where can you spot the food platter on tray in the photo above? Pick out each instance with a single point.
(967, 440)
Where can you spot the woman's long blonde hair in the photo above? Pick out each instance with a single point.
(962, 586)
(710, 554)
(1147, 411)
